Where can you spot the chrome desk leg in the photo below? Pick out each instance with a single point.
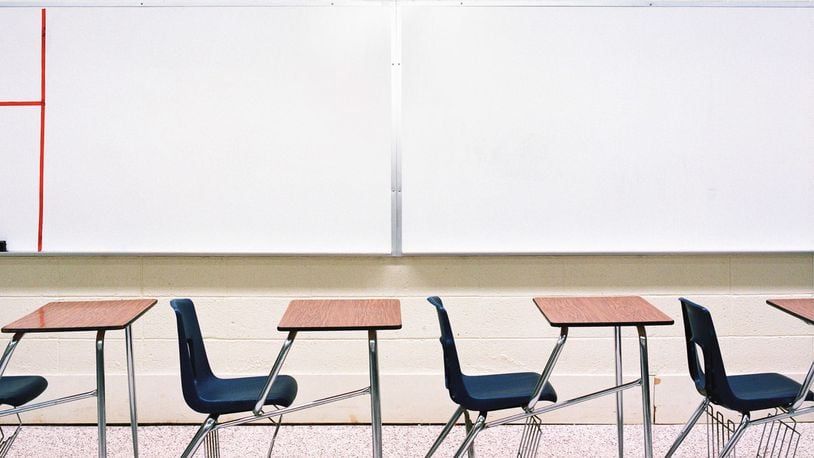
(444, 432)
(620, 422)
(131, 387)
(375, 401)
(100, 391)
(686, 429)
(470, 437)
(647, 423)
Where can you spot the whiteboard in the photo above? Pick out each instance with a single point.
(569, 130)
(218, 130)
(19, 177)
(20, 35)
(20, 30)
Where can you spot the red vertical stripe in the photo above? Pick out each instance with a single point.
(42, 129)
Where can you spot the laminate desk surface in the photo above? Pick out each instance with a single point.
(341, 315)
(600, 311)
(801, 308)
(82, 316)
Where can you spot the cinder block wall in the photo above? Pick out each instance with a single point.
(241, 299)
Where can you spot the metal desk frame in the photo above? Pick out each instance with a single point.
(99, 392)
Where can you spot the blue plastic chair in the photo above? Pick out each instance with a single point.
(208, 394)
(480, 393)
(741, 393)
(15, 391)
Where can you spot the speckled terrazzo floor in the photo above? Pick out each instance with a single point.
(354, 441)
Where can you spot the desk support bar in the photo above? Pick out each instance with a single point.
(549, 368)
(49, 403)
(647, 420)
(100, 391)
(782, 416)
(211, 424)
(12, 345)
(560, 405)
(620, 416)
(375, 399)
(131, 387)
(275, 370)
(287, 410)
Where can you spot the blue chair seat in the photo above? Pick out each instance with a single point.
(502, 391)
(762, 391)
(222, 395)
(16, 390)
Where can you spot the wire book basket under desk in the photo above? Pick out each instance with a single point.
(778, 439)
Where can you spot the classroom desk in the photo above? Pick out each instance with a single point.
(369, 315)
(99, 316)
(803, 309)
(615, 312)
(800, 308)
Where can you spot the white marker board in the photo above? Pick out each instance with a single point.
(19, 177)
(20, 37)
(569, 130)
(520, 130)
(218, 130)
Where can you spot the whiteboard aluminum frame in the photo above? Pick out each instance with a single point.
(395, 153)
(626, 254)
(408, 3)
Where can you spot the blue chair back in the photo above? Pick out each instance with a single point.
(453, 377)
(710, 380)
(194, 363)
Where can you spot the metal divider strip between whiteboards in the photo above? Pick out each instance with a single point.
(396, 139)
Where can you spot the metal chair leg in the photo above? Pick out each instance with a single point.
(444, 432)
(6, 442)
(468, 427)
(210, 422)
(470, 437)
(274, 436)
(688, 426)
(730, 446)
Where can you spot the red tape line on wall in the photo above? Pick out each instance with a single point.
(42, 130)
